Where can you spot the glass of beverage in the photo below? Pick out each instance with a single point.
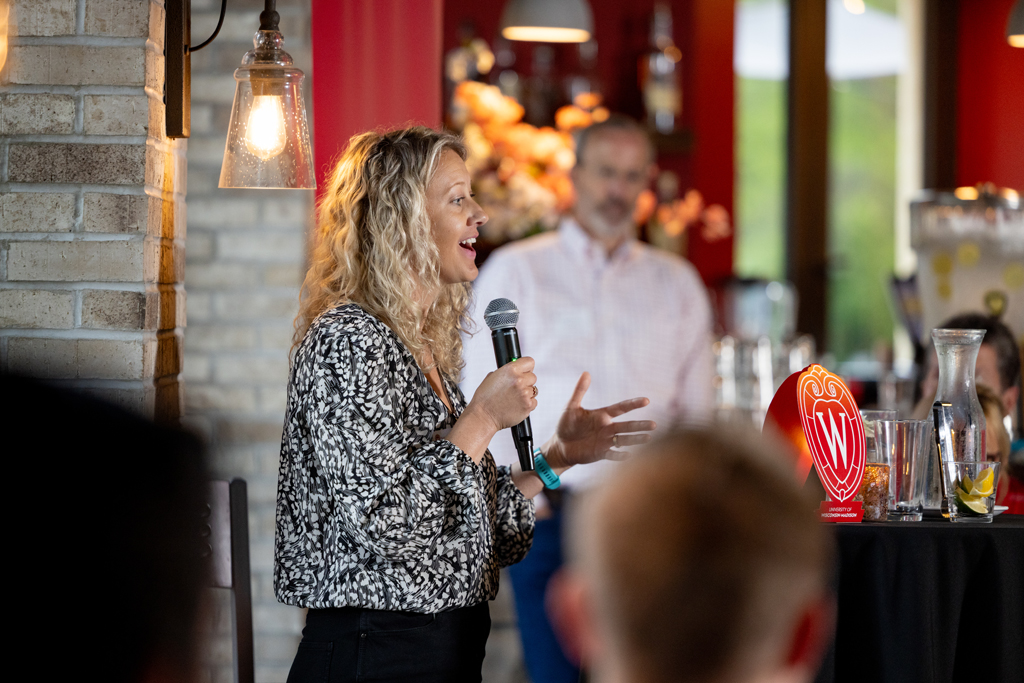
(874, 489)
(906, 445)
(971, 490)
(869, 417)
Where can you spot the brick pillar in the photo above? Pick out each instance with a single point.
(92, 204)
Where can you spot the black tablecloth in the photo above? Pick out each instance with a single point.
(931, 601)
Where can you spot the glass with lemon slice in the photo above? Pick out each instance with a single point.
(971, 490)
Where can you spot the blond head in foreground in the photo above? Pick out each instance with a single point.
(702, 561)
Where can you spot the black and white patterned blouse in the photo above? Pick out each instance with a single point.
(373, 510)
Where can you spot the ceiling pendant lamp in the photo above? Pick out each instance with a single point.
(268, 139)
(548, 21)
(1015, 27)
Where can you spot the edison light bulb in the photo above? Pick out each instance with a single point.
(265, 136)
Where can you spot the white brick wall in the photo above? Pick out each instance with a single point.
(44, 17)
(37, 212)
(244, 264)
(91, 203)
(28, 113)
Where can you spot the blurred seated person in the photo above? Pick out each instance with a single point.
(1010, 489)
(704, 562)
(998, 364)
(106, 545)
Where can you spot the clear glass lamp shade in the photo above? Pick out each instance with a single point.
(268, 139)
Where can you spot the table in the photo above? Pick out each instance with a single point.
(932, 601)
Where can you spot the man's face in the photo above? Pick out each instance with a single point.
(615, 169)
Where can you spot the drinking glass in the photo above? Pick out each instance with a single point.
(971, 490)
(869, 417)
(874, 488)
(906, 444)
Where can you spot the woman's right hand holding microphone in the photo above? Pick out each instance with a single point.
(505, 398)
(508, 395)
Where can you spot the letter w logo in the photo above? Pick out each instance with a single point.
(838, 438)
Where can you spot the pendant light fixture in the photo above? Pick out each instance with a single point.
(268, 139)
(1015, 26)
(547, 21)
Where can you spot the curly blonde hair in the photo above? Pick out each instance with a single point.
(374, 246)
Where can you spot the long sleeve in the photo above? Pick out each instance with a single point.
(375, 508)
(514, 521)
(387, 472)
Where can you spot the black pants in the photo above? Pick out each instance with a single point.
(353, 644)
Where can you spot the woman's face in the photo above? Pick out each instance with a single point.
(454, 219)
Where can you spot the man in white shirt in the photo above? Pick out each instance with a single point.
(593, 298)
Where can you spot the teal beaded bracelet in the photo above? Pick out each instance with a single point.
(544, 471)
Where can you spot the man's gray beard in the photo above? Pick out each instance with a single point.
(605, 229)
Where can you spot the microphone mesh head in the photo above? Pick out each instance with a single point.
(501, 313)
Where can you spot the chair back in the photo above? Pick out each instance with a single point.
(227, 533)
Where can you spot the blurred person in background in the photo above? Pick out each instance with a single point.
(104, 536)
(591, 296)
(704, 562)
(1010, 488)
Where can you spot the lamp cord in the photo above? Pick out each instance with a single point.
(220, 22)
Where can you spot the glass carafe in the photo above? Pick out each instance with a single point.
(958, 352)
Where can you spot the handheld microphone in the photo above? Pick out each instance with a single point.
(501, 316)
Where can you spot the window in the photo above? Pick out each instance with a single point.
(870, 103)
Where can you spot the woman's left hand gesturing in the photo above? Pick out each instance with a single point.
(588, 435)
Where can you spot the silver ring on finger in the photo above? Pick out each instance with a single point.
(615, 440)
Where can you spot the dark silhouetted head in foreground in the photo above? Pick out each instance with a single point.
(104, 513)
(701, 561)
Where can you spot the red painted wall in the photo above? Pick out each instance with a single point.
(990, 98)
(712, 112)
(377, 63)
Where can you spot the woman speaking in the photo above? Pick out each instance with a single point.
(392, 518)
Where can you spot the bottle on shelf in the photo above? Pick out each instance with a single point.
(472, 60)
(659, 75)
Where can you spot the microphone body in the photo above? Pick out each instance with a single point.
(506, 350)
(501, 317)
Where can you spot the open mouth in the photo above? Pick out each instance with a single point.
(468, 245)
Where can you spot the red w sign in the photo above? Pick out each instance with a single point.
(834, 431)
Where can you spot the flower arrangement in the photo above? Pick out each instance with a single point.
(667, 221)
(521, 173)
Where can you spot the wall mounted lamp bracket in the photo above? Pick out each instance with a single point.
(178, 49)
